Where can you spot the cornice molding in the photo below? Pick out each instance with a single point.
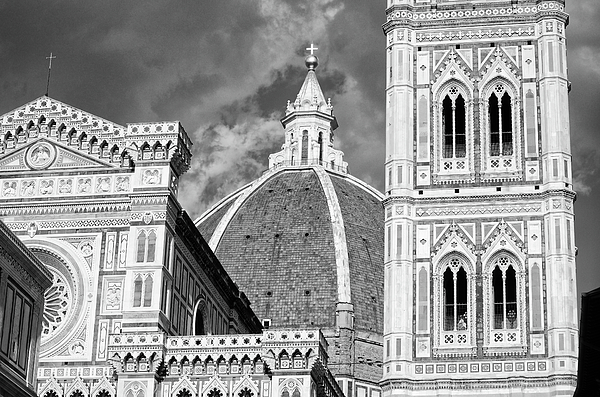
(518, 197)
(439, 17)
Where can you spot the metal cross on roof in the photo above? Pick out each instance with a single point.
(312, 48)
(50, 58)
(49, 69)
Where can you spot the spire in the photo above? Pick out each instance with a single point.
(309, 124)
(310, 96)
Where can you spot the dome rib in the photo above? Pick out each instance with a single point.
(339, 236)
(215, 238)
(337, 224)
(308, 236)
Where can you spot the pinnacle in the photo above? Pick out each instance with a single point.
(310, 96)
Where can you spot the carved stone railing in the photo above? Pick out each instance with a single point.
(308, 162)
(295, 337)
(135, 344)
(221, 353)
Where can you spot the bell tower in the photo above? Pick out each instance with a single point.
(479, 236)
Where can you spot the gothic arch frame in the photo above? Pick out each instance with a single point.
(51, 385)
(245, 382)
(460, 342)
(77, 385)
(184, 383)
(492, 336)
(103, 385)
(439, 92)
(214, 382)
(290, 385)
(445, 259)
(200, 306)
(135, 389)
(486, 89)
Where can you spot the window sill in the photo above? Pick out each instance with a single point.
(504, 350)
(462, 351)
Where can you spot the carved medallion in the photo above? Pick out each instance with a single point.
(40, 156)
(86, 248)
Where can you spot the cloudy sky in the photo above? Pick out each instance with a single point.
(225, 69)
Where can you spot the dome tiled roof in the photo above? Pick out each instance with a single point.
(301, 240)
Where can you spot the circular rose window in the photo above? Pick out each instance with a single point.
(63, 301)
(57, 304)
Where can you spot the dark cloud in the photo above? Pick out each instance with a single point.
(225, 69)
(287, 82)
(174, 102)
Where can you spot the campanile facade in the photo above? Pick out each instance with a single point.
(480, 291)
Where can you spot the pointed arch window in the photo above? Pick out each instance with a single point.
(199, 320)
(504, 294)
(148, 284)
(500, 122)
(141, 246)
(321, 147)
(151, 247)
(146, 246)
(142, 290)
(304, 154)
(455, 297)
(454, 304)
(138, 285)
(454, 138)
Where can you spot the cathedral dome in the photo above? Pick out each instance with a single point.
(303, 243)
